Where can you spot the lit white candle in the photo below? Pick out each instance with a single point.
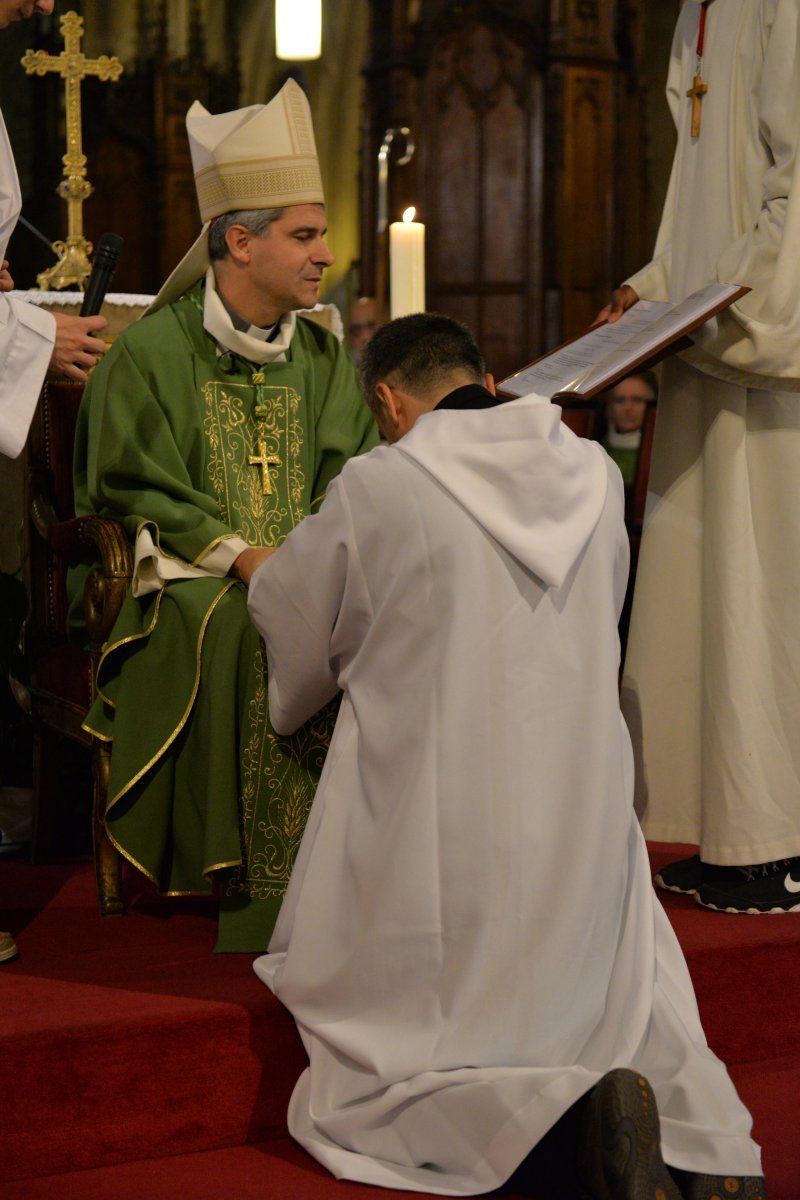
(407, 265)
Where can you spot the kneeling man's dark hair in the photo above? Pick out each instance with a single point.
(417, 352)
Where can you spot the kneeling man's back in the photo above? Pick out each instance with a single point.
(471, 903)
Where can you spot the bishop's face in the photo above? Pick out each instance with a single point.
(287, 263)
(20, 10)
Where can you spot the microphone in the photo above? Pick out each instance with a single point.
(106, 257)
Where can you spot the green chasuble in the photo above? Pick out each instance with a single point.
(625, 456)
(200, 448)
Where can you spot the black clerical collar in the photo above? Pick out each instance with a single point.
(266, 334)
(472, 395)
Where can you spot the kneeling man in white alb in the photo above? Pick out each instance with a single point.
(474, 983)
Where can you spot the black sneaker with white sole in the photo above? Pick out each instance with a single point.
(687, 875)
(772, 887)
(684, 876)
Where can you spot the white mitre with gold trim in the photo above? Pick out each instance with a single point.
(262, 156)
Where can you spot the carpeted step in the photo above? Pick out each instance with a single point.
(769, 1089)
(744, 970)
(274, 1170)
(280, 1170)
(128, 1039)
(127, 1075)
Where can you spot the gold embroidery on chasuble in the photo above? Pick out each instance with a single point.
(244, 422)
(279, 779)
(245, 425)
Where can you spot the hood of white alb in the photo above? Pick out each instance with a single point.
(533, 485)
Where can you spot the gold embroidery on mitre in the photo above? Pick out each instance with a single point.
(226, 187)
(237, 431)
(299, 122)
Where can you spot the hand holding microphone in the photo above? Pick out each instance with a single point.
(76, 351)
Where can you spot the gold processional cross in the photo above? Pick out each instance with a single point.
(73, 266)
(265, 461)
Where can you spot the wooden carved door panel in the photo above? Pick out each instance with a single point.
(480, 177)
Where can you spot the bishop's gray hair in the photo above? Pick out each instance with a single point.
(257, 220)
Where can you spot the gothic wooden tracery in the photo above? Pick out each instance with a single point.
(516, 110)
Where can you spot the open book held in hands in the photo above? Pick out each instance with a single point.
(647, 332)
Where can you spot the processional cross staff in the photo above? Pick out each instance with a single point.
(72, 64)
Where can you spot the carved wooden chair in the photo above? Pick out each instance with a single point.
(637, 498)
(584, 418)
(635, 501)
(580, 415)
(61, 685)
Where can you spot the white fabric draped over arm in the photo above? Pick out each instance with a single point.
(27, 333)
(153, 569)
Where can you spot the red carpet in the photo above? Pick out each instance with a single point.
(136, 1063)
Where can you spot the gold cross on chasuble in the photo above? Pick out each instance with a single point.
(265, 461)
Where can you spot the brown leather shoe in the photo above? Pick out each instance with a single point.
(620, 1142)
(8, 947)
(720, 1187)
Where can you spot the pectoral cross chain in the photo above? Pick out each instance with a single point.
(265, 461)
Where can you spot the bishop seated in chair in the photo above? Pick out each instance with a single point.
(213, 426)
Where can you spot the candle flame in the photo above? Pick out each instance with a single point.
(409, 214)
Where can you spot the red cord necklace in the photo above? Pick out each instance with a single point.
(698, 88)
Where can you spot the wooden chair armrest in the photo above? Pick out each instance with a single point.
(106, 587)
(90, 538)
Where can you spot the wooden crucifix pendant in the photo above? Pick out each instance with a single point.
(265, 461)
(697, 91)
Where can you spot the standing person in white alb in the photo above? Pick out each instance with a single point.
(712, 674)
(470, 977)
(32, 341)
